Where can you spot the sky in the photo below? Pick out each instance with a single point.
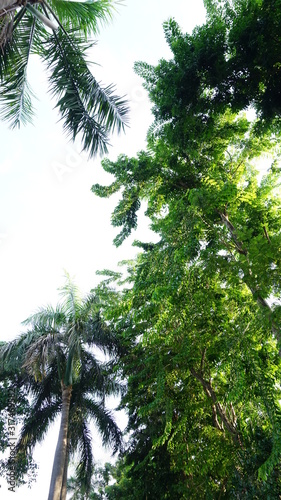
(50, 221)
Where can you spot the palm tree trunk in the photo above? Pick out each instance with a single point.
(5, 4)
(61, 449)
(64, 480)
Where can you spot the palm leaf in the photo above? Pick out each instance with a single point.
(79, 436)
(103, 418)
(47, 391)
(89, 307)
(12, 354)
(85, 107)
(36, 426)
(15, 96)
(41, 354)
(71, 298)
(95, 376)
(83, 16)
(85, 467)
(47, 319)
(98, 334)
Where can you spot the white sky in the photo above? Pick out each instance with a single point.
(50, 220)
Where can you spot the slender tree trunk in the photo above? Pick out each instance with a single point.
(64, 480)
(59, 464)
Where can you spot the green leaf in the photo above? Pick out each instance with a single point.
(16, 94)
(83, 16)
(85, 106)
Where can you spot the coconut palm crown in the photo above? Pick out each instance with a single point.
(65, 378)
(59, 32)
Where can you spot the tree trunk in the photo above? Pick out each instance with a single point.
(59, 464)
(64, 480)
(6, 4)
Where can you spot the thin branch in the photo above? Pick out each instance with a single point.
(266, 234)
(209, 391)
(203, 361)
(230, 227)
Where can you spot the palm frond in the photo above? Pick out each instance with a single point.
(16, 94)
(99, 334)
(36, 426)
(85, 467)
(94, 379)
(47, 319)
(85, 106)
(72, 301)
(41, 353)
(35, 349)
(83, 16)
(89, 307)
(46, 391)
(104, 420)
(13, 353)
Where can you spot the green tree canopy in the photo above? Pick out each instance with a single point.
(200, 319)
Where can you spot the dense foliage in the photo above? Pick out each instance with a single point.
(197, 315)
(199, 311)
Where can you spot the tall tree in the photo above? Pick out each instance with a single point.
(68, 378)
(202, 311)
(202, 161)
(203, 374)
(58, 31)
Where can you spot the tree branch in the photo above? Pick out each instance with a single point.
(216, 407)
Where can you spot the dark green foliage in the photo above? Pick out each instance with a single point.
(233, 60)
(15, 89)
(14, 405)
(85, 107)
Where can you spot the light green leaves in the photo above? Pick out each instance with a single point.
(204, 366)
(83, 16)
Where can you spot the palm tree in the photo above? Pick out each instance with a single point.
(58, 31)
(64, 376)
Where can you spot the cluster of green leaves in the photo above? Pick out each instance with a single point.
(200, 317)
(251, 73)
(202, 370)
(14, 406)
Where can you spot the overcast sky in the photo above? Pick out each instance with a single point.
(50, 220)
